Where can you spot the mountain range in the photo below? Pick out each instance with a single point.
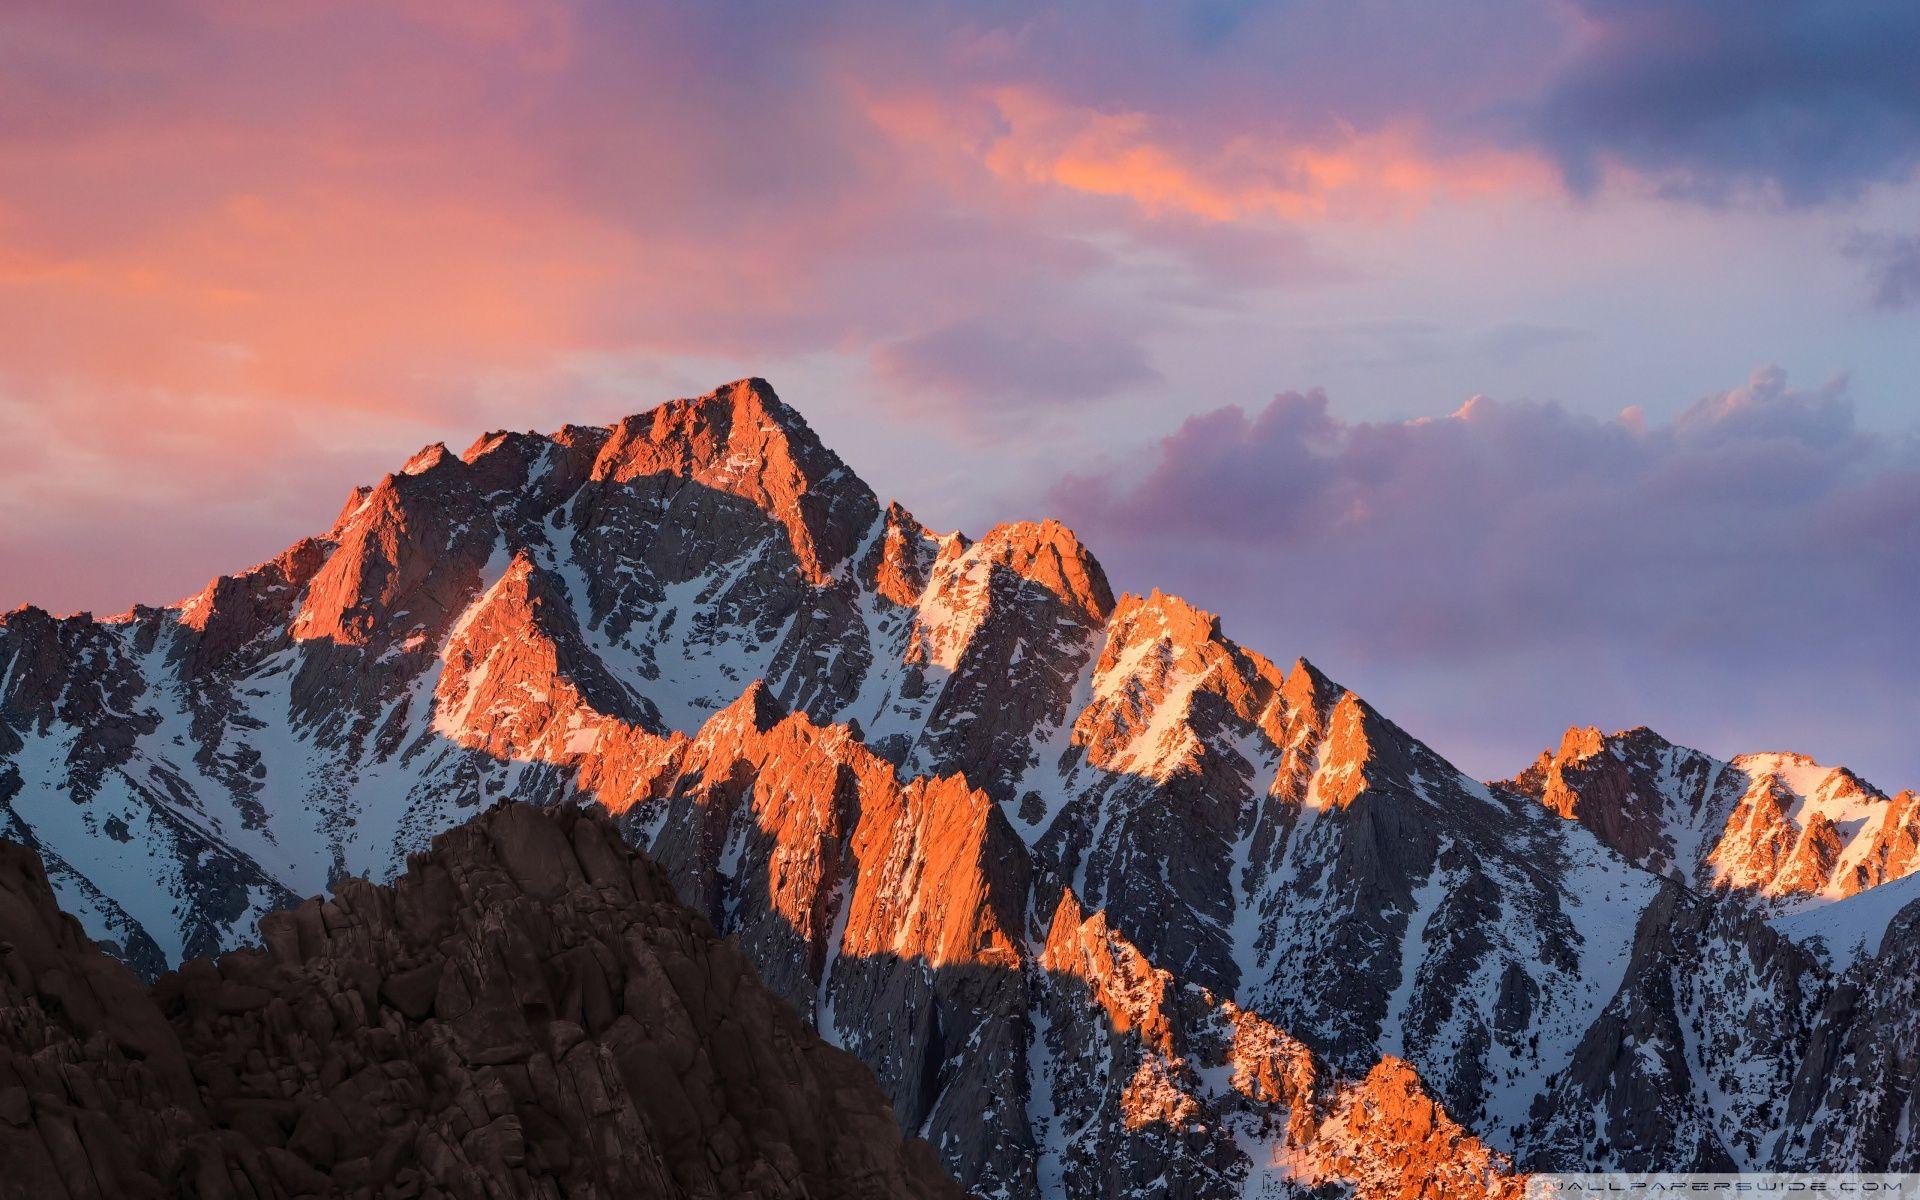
(1109, 904)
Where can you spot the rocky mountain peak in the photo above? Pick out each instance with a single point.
(1773, 826)
(1346, 753)
(1804, 777)
(489, 442)
(1620, 785)
(741, 439)
(1796, 827)
(426, 459)
(1307, 689)
(233, 610)
(1049, 554)
(1183, 623)
(405, 556)
(1167, 685)
(988, 600)
(756, 709)
(1581, 742)
(902, 562)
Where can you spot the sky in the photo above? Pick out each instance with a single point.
(1521, 364)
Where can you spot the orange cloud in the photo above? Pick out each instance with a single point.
(318, 292)
(231, 231)
(1373, 175)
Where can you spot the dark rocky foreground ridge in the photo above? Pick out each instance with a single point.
(527, 1011)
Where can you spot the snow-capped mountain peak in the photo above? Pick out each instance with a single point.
(1101, 896)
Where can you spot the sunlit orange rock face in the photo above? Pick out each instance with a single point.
(737, 443)
(900, 564)
(516, 680)
(402, 562)
(1389, 1138)
(859, 886)
(1162, 658)
(1101, 897)
(1769, 826)
(1382, 1135)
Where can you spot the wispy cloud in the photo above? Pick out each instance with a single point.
(1893, 267)
(1006, 365)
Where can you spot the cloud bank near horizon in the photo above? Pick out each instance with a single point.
(1746, 570)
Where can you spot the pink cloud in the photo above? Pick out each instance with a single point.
(239, 243)
(372, 205)
(228, 232)
(250, 254)
(1242, 174)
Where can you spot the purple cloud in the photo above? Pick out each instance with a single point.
(1807, 98)
(998, 364)
(1744, 575)
(1893, 265)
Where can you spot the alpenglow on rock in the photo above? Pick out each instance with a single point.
(1776, 827)
(1104, 899)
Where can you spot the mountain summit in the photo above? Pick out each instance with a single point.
(1103, 898)
(1774, 826)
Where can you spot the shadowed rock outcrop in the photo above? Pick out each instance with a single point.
(526, 1012)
